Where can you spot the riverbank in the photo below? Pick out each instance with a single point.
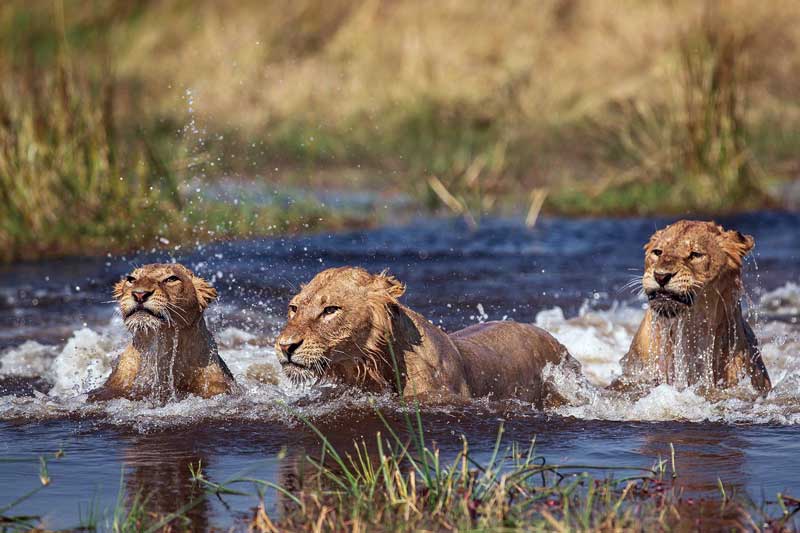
(574, 108)
(59, 330)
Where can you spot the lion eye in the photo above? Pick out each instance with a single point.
(330, 310)
(656, 252)
(292, 308)
(130, 279)
(696, 255)
(172, 279)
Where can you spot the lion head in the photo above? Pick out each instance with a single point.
(341, 318)
(688, 259)
(162, 295)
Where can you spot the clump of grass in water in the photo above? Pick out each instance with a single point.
(407, 487)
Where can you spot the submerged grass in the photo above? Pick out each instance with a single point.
(9, 519)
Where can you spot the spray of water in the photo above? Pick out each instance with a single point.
(597, 338)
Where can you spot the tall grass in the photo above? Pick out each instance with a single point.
(401, 483)
(72, 181)
(690, 150)
(642, 107)
(68, 183)
(616, 104)
(717, 63)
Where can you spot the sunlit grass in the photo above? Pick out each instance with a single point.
(579, 98)
(66, 182)
(72, 183)
(578, 102)
(400, 482)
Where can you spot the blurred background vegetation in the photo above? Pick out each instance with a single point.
(116, 116)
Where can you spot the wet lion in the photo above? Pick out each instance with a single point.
(172, 353)
(348, 325)
(693, 332)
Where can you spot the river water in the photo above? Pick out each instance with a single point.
(59, 334)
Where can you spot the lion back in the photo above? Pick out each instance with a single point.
(507, 360)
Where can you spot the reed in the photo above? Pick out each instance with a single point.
(67, 182)
(9, 520)
(691, 150)
(660, 107)
(72, 183)
(399, 482)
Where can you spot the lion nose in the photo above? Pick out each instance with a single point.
(141, 296)
(662, 278)
(288, 349)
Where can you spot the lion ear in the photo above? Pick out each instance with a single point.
(737, 246)
(390, 285)
(205, 292)
(649, 244)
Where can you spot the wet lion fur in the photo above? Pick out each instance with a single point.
(348, 325)
(702, 339)
(172, 352)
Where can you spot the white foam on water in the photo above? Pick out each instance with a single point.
(29, 359)
(84, 363)
(664, 403)
(87, 358)
(784, 300)
(597, 338)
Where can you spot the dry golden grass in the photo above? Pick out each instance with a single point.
(574, 92)
(606, 105)
(541, 61)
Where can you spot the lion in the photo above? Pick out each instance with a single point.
(347, 325)
(172, 353)
(693, 332)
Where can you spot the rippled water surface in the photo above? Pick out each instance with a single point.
(59, 334)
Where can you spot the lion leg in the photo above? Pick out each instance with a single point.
(120, 382)
(757, 370)
(760, 377)
(435, 398)
(210, 381)
(750, 365)
(104, 393)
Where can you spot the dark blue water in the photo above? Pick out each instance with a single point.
(508, 269)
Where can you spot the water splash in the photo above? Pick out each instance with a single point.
(171, 370)
(597, 338)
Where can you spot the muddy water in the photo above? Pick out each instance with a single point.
(58, 334)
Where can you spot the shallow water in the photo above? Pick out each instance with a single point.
(56, 328)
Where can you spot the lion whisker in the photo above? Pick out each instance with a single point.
(176, 310)
(636, 280)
